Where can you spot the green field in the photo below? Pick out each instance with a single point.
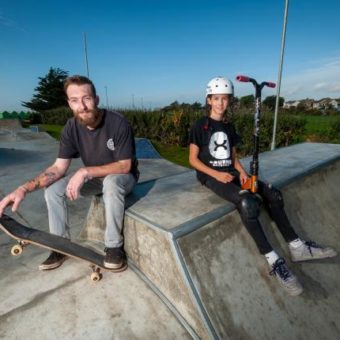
(320, 124)
(53, 130)
(173, 153)
(321, 129)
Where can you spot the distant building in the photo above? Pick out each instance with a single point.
(309, 104)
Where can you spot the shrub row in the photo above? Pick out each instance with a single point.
(173, 127)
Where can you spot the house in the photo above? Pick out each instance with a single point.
(309, 104)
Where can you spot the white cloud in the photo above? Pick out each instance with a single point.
(318, 81)
(7, 22)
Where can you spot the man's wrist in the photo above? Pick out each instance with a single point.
(22, 187)
(87, 176)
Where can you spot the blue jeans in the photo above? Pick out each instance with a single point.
(114, 189)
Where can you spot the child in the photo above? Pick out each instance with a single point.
(213, 154)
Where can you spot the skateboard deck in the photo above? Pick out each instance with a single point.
(25, 235)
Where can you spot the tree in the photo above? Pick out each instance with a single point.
(247, 101)
(49, 92)
(270, 102)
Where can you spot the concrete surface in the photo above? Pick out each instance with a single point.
(65, 304)
(191, 249)
(194, 251)
(214, 263)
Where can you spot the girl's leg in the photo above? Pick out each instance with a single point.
(248, 206)
(274, 201)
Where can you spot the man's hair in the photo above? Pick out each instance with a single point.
(79, 80)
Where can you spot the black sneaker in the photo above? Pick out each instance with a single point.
(54, 261)
(286, 278)
(114, 258)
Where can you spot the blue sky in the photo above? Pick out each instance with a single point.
(151, 53)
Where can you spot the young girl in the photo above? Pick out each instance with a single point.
(213, 155)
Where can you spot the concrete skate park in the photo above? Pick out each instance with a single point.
(194, 272)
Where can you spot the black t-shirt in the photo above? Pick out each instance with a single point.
(215, 140)
(111, 141)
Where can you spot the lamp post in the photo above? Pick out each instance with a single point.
(86, 61)
(283, 41)
(107, 100)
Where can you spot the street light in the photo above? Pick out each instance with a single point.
(283, 41)
(86, 60)
(107, 100)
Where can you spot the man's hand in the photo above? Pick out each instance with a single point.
(75, 184)
(14, 198)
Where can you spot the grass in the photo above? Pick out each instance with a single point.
(173, 153)
(53, 130)
(318, 128)
(319, 124)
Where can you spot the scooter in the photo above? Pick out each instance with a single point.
(252, 183)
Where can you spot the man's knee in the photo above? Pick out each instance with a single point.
(55, 189)
(113, 180)
(113, 183)
(249, 206)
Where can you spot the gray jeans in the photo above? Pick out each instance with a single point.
(114, 189)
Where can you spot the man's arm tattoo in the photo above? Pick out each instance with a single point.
(43, 180)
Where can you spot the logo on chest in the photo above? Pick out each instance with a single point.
(219, 145)
(110, 144)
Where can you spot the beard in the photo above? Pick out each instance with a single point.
(92, 118)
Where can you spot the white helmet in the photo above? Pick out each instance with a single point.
(220, 85)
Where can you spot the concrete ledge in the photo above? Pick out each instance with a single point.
(192, 249)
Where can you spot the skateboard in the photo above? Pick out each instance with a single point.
(25, 236)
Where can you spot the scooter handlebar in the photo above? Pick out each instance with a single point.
(244, 79)
(270, 84)
(247, 79)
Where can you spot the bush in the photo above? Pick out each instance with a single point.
(289, 130)
(335, 131)
(172, 127)
(57, 116)
(35, 118)
(166, 127)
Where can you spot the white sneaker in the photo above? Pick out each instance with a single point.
(311, 251)
(286, 278)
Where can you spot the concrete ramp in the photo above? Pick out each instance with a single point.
(231, 279)
(192, 249)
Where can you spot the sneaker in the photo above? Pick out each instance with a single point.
(311, 251)
(54, 261)
(114, 258)
(286, 278)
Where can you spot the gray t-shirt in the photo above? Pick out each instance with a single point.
(111, 141)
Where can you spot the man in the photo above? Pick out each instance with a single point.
(105, 143)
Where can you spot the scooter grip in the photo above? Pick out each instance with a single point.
(270, 84)
(242, 78)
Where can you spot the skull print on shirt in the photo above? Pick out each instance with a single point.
(219, 149)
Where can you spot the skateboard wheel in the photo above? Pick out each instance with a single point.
(95, 276)
(16, 250)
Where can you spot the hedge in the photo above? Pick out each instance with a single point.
(173, 127)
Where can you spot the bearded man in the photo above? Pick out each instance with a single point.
(105, 143)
